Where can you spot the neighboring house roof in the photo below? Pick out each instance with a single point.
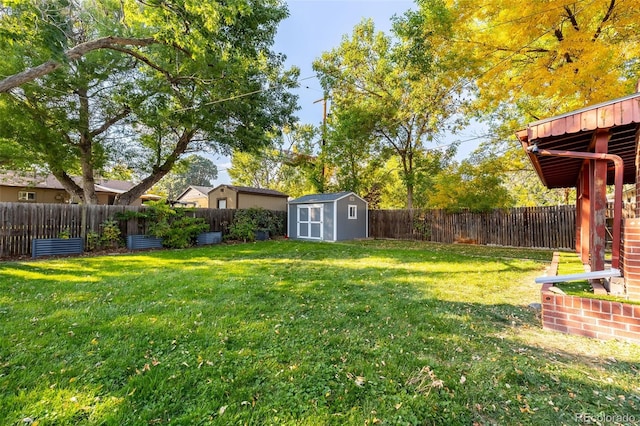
(49, 181)
(323, 198)
(203, 190)
(255, 191)
(32, 180)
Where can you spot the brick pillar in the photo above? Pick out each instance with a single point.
(631, 258)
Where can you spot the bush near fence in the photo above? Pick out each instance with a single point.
(20, 223)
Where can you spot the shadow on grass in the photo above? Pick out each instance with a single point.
(321, 335)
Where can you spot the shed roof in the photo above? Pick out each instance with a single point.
(252, 190)
(322, 198)
(574, 131)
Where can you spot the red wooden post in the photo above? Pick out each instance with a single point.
(598, 195)
(585, 209)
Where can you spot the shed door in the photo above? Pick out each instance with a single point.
(310, 222)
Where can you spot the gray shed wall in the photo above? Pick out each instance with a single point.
(292, 218)
(328, 224)
(349, 229)
(345, 228)
(327, 221)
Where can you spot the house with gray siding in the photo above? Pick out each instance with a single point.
(328, 217)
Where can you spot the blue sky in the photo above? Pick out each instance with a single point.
(314, 27)
(317, 26)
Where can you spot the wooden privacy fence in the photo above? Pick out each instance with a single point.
(20, 223)
(544, 227)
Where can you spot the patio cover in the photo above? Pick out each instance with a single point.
(576, 150)
(575, 131)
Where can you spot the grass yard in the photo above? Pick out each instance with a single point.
(284, 332)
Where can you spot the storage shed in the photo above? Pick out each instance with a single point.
(245, 197)
(328, 217)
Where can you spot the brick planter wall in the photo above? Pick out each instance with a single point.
(600, 319)
(631, 258)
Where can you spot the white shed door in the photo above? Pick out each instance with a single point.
(310, 222)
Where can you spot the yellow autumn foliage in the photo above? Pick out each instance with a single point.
(550, 56)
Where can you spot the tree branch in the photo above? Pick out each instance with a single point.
(159, 171)
(144, 59)
(110, 122)
(74, 53)
(68, 183)
(572, 18)
(606, 17)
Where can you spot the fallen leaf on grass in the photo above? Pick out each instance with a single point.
(358, 380)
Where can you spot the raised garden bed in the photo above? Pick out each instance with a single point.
(207, 238)
(56, 246)
(141, 242)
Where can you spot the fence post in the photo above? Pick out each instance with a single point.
(83, 222)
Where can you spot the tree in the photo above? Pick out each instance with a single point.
(353, 156)
(192, 170)
(477, 187)
(287, 165)
(94, 84)
(391, 95)
(549, 57)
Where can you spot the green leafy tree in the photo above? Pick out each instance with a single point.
(391, 95)
(287, 165)
(477, 187)
(192, 170)
(95, 84)
(353, 158)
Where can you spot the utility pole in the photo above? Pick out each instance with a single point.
(324, 133)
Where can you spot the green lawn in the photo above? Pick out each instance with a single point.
(284, 332)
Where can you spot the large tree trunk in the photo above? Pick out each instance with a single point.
(86, 149)
(68, 184)
(159, 172)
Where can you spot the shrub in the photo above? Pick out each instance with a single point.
(65, 234)
(110, 233)
(176, 229)
(93, 241)
(246, 222)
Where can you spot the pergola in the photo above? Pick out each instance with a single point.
(589, 149)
